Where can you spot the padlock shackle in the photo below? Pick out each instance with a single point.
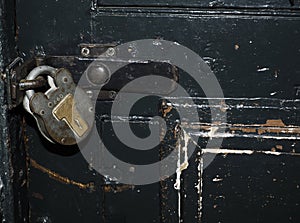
(40, 70)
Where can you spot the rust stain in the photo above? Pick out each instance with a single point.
(117, 188)
(165, 108)
(64, 180)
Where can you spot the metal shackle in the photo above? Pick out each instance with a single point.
(40, 70)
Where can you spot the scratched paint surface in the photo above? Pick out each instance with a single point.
(255, 56)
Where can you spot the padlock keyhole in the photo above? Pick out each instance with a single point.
(65, 80)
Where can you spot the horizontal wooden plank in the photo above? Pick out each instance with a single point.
(204, 3)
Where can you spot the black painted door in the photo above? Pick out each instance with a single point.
(253, 49)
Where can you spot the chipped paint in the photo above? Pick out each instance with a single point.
(271, 126)
(271, 129)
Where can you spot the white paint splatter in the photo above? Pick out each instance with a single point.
(263, 69)
(212, 132)
(217, 179)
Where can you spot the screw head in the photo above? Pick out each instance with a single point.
(110, 52)
(85, 51)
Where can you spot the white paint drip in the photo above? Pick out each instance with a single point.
(180, 167)
(199, 185)
(185, 164)
(177, 183)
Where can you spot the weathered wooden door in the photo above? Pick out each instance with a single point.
(252, 48)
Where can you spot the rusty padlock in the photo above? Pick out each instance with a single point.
(64, 113)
